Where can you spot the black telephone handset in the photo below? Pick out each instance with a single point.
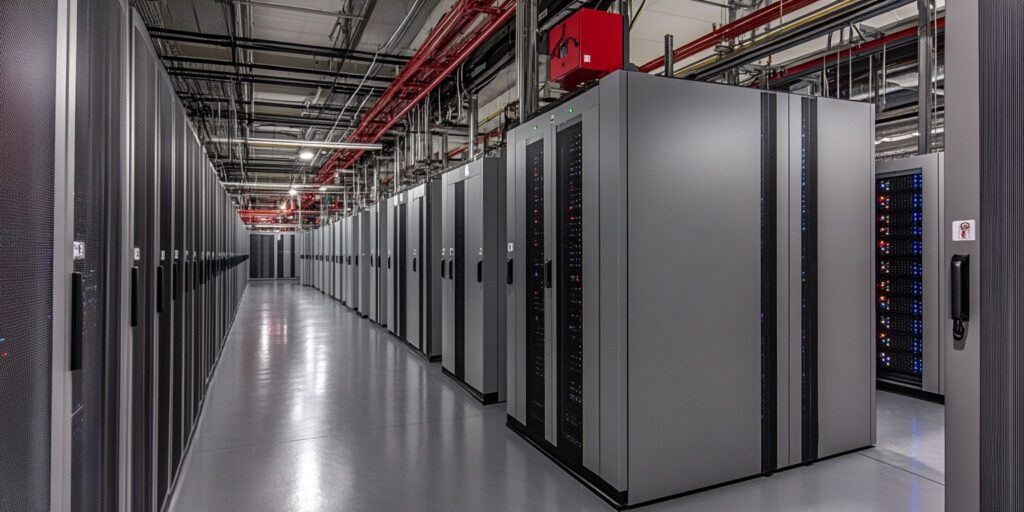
(960, 296)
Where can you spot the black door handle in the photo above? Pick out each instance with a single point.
(479, 271)
(443, 260)
(378, 261)
(414, 263)
(174, 280)
(960, 295)
(547, 274)
(134, 306)
(195, 274)
(159, 288)
(509, 268)
(389, 262)
(451, 268)
(357, 260)
(77, 322)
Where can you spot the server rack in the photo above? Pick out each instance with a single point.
(336, 260)
(363, 263)
(382, 262)
(723, 380)
(473, 265)
(352, 262)
(373, 228)
(909, 287)
(397, 221)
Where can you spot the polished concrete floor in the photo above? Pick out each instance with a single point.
(313, 408)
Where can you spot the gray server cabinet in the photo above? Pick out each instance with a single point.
(382, 262)
(648, 273)
(363, 263)
(409, 225)
(372, 311)
(352, 261)
(473, 271)
(316, 258)
(392, 298)
(336, 263)
(431, 303)
(931, 170)
(303, 262)
(329, 237)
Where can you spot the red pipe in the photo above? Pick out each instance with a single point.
(404, 92)
(732, 30)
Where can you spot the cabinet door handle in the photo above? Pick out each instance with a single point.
(479, 271)
(159, 288)
(134, 306)
(174, 280)
(451, 268)
(443, 263)
(547, 274)
(414, 263)
(509, 268)
(960, 295)
(77, 322)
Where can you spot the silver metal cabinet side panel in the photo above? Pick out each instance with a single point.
(934, 232)
(494, 276)
(593, 339)
(783, 279)
(339, 276)
(613, 278)
(431, 261)
(846, 364)
(694, 241)
(383, 277)
(518, 141)
(364, 262)
(390, 262)
(371, 253)
(474, 291)
(511, 199)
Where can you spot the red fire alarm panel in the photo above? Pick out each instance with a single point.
(586, 46)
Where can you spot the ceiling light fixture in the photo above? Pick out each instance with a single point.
(307, 155)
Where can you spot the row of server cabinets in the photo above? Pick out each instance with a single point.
(127, 263)
(381, 263)
(428, 265)
(189, 249)
(690, 300)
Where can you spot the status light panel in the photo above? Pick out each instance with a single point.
(899, 287)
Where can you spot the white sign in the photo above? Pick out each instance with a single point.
(510, 247)
(138, 254)
(964, 231)
(78, 249)
(586, 58)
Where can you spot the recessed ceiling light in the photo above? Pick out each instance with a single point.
(307, 155)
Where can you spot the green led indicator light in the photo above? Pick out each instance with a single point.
(571, 110)
(534, 127)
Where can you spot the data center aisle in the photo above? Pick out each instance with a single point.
(313, 408)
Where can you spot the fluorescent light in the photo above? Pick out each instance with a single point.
(301, 143)
(280, 186)
(323, 188)
(307, 155)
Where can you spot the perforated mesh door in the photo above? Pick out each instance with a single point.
(27, 77)
(97, 155)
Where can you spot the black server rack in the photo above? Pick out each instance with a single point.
(569, 172)
(900, 277)
(537, 279)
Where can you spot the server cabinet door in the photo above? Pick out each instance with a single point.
(473, 282)
(390, 264)
(533, 289)
(372, 309)
(414, 275)
(164, 251)
(363, 264)
(143, 275)
(96, 209)
(383, 257)
(447, 291)
(177, 281)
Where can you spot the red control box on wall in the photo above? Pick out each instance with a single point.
(586, 46)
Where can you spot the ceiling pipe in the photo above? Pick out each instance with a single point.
(748, 23)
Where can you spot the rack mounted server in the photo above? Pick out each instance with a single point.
(473, 268)
(909, 287)
(691, 287)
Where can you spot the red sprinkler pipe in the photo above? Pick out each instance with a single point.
(754, 20)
